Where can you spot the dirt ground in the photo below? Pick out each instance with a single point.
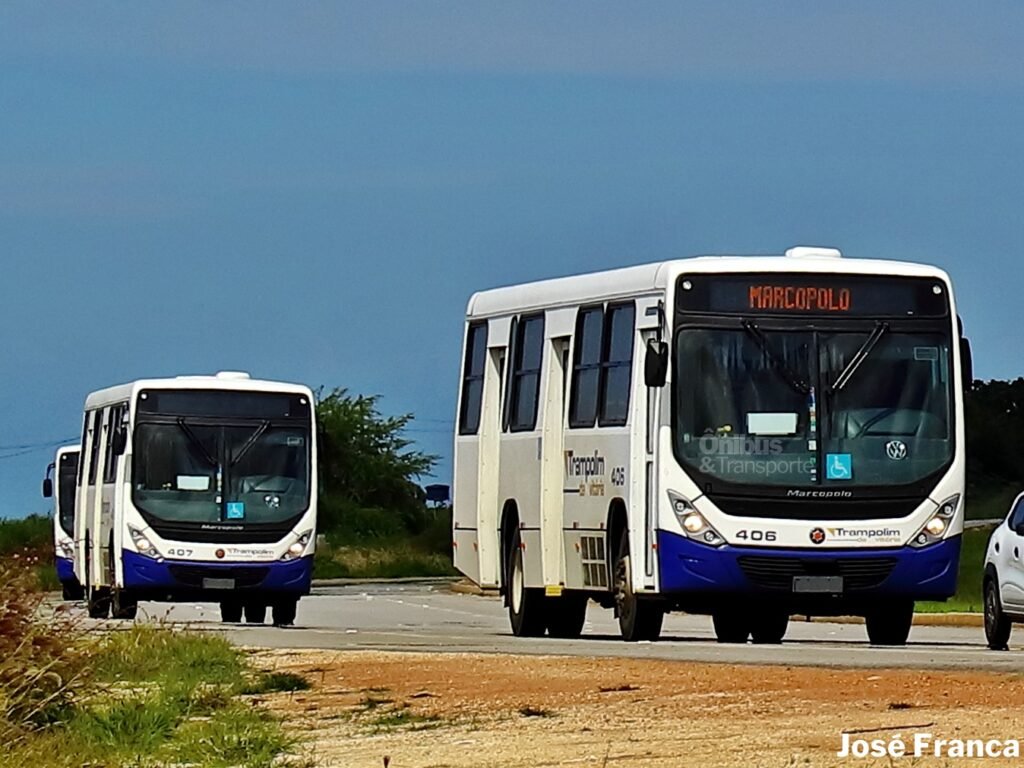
(406, 710)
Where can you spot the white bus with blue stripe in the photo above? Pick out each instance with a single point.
(199, 488)
(60, 485)
(746, 437)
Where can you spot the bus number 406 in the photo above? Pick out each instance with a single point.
(754, 535)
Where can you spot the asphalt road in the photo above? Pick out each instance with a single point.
(430, 618)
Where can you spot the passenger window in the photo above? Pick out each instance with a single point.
(586, 372)
(473, 379)
(525, 380)
(94, 450)
(82, 455)
(110, 456)
(617, 365)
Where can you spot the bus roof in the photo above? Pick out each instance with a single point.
(651, 278)
(225, 381)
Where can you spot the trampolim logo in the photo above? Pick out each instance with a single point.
(818, 536)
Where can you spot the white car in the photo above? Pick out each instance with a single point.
(1004, 577)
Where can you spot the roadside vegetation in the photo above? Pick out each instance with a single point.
(145, 696)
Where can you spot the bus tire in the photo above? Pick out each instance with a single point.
(890, 623)
(255, 613)
(72, 592)
(283, 611)
(98, 603)
(123, 605)
(525, 606)
(732, 625)
(769, 626)
(997, 623)
(231, 612)
(566, 615)
(639, 619)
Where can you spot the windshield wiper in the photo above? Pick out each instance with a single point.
(862, 354)
(184, 427)
(263, 427)
(788, 374)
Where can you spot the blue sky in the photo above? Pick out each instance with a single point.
(311, 191)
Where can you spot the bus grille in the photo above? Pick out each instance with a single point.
(193, 575)
(777, 572)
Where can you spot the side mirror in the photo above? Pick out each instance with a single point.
(656, 363)
(966, 362)
(120, 441)
(47, 488)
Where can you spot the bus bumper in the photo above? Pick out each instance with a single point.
(191, 580)
(691, 568)
(65, 570)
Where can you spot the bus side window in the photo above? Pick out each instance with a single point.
(473, 379)
(94, 450)
(617, 364)
(525, 379)
(586, 370)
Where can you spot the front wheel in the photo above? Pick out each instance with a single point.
(525, 606)
(639, 619)
(731, 625)
(769, 626)
(72, 591)
(231, 612)
(890, 624)
(255, 613)
(997, 624)
(98, 603)
(123, 605)
(283, 612)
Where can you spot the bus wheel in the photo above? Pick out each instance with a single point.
(997, 625)
(283, 612)
(255, 613)
(566, 615)
(123, 605)
(98, 603)
(890, 624)
(639, 619)
(525, 606)
(230, 612)
(769, 626)
(732, 625)
(72, 592)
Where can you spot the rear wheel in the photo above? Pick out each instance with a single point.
(255, 613)
(283, 612)
(639, 619)
(525, 606)
(769, 626)
(566, 615)
(890, 623)
(732, 625)
(997, 625)
(230, 612)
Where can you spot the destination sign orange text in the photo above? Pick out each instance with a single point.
(799, 298)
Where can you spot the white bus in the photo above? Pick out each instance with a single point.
(198, 488)
(60, 485)
(746, 437)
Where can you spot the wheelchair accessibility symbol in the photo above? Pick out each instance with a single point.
(839, 466)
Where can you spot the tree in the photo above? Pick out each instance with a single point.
(366, 462)
(995, 432)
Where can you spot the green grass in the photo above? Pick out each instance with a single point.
(33, 533)
(972, 565)
(275, 682)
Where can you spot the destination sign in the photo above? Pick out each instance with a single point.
(807, 294)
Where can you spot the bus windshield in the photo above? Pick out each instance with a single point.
(808, 407)
(196, 468)
(67, 474)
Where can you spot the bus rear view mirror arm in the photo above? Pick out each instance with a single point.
(656, 363)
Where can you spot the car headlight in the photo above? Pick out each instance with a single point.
(938, 524)
(693, 523)
(143, 545)
(298, 546)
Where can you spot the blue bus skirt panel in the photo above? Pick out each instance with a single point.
(183, 579)
(66, 571)
(687, 567)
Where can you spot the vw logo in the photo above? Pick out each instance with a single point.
(818, 536)
(896, 450)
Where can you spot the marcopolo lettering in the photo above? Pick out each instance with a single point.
(800, 299)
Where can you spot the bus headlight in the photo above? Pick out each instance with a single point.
(66, 549)
(298, 546)
(693, 523)
(938, 524)
(143, 545)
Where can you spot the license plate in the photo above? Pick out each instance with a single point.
(829, 584)
(218, 583)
